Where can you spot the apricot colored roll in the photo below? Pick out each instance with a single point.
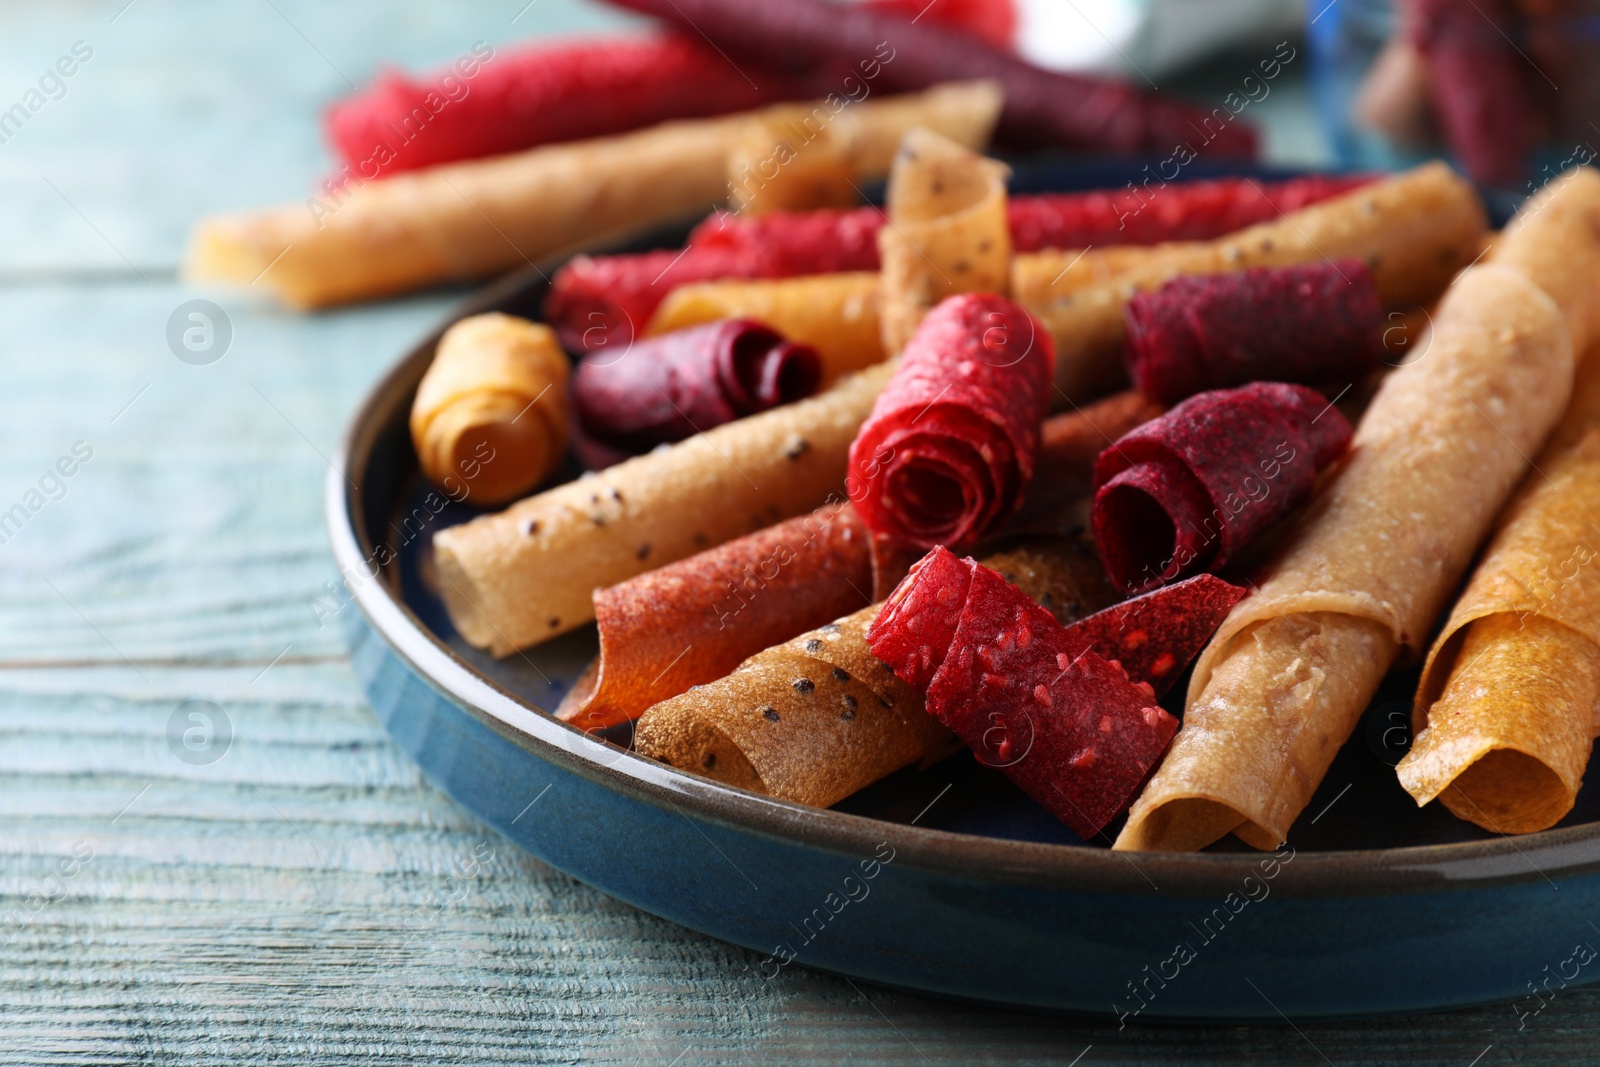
(496, 393)
(1506, 712)
(783, 164)
(817, 718)
(1414, 231)
(463, 221)
(836, 314)
(1439, 450)
(526, 574)
(947, 231)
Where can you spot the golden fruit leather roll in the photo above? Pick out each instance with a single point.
(1414, 231)
(836, 314)
(946, 232)
(470, 220)
(1509, 702)
(817, 718)
(1367, 570)
(524, 575)
(493, 403)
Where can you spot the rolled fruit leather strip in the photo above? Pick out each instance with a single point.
(1281, 686)
(666, 388)
(1187, 492)
(946, 231)
(1506, 708)
(819, 717)
(492, 404)
(694, 621)
(949, 446)
(526, 574)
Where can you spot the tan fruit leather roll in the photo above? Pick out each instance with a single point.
(1506, 709)
(787, 163)
(837, 314)
(1366, 571)
(470, 220)
(818, 718)
(1414, 231)
(946, 231)
(497, 388)
(525, 575)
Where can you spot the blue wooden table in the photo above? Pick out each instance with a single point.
(209, 850)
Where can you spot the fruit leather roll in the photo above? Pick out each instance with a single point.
(601, 299)
(1414, 231)
(1315, 323)
(1189, 491)
(1042, 107)
(666, 388)
(946, 231)
(1506, 710)
(817, 718)
(538, 94)
(526, 574)
(693, 621)
(835, 314)
(1367, 569)
(949, 446)
(494, 404)
(463, 221)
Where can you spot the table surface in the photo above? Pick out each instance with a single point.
(306, 896)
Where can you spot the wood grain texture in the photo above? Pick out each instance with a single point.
(307, 898)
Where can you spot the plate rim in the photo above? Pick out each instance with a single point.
(1453, 866)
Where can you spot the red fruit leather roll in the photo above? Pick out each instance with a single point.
(599, 302)
(1063, 723)
(1480, 85)
(1041, 107)
(695, 620)
(604, 301)
(670, 387)
(1311, 323)
(1187, 211)
(949, 446)
(539, 94)
(1186, 492)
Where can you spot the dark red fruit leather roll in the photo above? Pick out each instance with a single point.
(1063, 723)
(949, 446)
(1186, 492)
(1041, 107)
(1480, 83)
(1311, 323)
(670, 387)
(540, 94)
(606, 300)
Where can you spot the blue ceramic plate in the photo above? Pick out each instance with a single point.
(950, 880)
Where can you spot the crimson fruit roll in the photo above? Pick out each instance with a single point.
(538, 94)
(1041, 107)
(1066, 725)
(1181, 211)
(604, 301)
(670, 387)
(1188, 491)
(1312, 323)
(950, 443)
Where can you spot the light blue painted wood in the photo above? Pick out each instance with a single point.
(307, 897)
